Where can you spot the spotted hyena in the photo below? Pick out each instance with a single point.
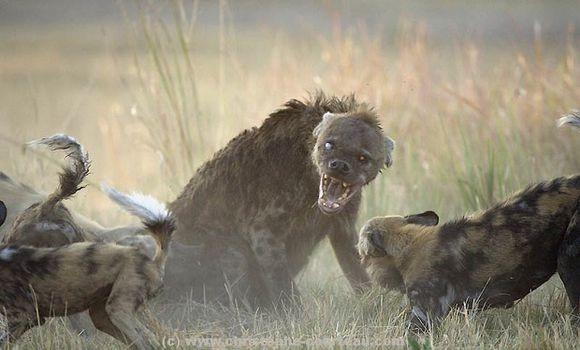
(489, 259)
(248, 219)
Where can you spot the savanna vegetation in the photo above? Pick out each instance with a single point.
(155, 100)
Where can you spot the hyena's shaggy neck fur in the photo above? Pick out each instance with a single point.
(233, 173)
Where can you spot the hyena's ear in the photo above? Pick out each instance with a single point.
(326, 119)
(428, 218)
(3, 212)
(389, 147)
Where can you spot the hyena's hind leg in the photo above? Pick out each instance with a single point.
(569, 261)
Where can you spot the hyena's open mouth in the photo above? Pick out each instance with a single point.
(334, 194)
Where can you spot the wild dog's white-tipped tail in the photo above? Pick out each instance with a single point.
(145, 207)
(153, 214)
(570, 119)
(71, 176)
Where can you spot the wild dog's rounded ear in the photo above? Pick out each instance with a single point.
(389, 147)
(326, 119)
(3, 212)
(428, 218)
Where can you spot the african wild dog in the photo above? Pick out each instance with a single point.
(111, 281)
(43, 221)
(489, 259)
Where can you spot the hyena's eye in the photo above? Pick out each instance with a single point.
(363, 158)
(328, 146)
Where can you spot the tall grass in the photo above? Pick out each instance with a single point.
(167, 101)
(472, 124)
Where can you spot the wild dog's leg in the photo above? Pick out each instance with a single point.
(127, 322)
(103, 323)
(343, 243)
(125, 299)
(430, 301)
(271, 256)
(569, 262)
(16, 327)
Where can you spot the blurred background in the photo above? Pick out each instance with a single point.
(469, 90)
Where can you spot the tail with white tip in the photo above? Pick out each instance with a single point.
(152, 213)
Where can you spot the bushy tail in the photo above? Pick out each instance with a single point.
(72, 176)
(570, 119)
(153, 214)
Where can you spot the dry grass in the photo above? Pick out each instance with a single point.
(471, 124)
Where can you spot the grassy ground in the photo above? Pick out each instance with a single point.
(472, 124)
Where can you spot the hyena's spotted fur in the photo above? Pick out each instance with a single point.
(248, 218)
(111, 281)
(490, 259)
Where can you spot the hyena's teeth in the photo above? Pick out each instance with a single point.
(335, 205)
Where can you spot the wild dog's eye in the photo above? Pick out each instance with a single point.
(328, 146)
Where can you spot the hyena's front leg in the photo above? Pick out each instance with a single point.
(271, 256)
(569, 262)
(343, 243)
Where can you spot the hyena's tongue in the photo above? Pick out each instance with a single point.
(334, 192)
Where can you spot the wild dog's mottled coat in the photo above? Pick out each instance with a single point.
(111, 281)
(492, 258)
(47, 222)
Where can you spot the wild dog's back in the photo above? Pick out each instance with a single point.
(512, 248)
(493, 252)
(65, 280)
(17, 197)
